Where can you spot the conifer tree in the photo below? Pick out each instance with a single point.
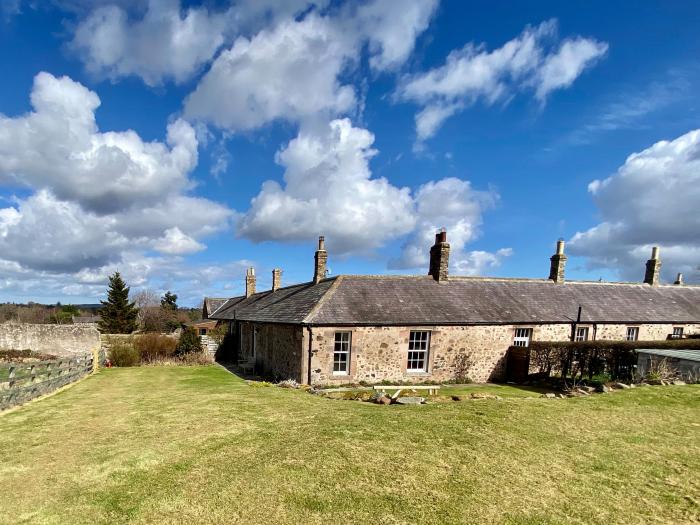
(117, 315)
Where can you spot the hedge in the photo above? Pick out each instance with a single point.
(586, 359)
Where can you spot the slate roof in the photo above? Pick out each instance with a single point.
(211, 304)
(420, 300)
(291, 304)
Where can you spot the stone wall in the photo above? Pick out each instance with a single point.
(59, 340)
(278, 349)
(381, 353)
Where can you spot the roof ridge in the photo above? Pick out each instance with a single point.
(326, 295)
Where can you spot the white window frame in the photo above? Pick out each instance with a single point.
(342, 347)
(522, 337)
(418, 343)
(677, 332)
(632, 333)
(581, 334)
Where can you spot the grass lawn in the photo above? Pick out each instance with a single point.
(198, 445)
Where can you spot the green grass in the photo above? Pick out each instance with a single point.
(198, 445)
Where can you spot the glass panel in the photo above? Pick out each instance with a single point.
(341, 353)
(418, 342)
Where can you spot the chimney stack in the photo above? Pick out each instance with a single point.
(276, 279)
(556, 269)
(651, 276)
(320, 260)
(440, 257)
(249, 282)
(679, 279)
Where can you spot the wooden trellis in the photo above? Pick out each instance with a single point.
(21, 382)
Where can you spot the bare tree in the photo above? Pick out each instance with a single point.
(147, 300)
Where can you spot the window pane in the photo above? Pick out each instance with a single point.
(341, 353)
(418, 343)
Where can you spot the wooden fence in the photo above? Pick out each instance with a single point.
(20, 382)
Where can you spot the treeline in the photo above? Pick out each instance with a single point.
(145, 311)
(41, 314)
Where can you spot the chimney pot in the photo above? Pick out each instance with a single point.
(440, 257)
(653, 269)
(249, 282)
(320, 261)
(558, 264)
(560, 247)
(679, 279)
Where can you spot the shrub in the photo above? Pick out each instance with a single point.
(24, 355)
(123, 353)
(189, 342)
(196, 358)
(155, 347)
(587, 359)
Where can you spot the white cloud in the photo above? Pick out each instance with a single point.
(190, 281)
(473, 73)
(289, 72)
(160, 40)
(392, 29)
(296, 70)
(652, 200)
(430, 119)
(560, 69)
(96, 195)
(167, 42)
(329, 190)
(453, 204)
(59, 146)
(175, 242)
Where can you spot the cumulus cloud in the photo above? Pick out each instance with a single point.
(528, 62)
(59, 146)
(289, 72)
(95, 195)
(295, 70)
(328, 189)
(175, 242)
(453, 204)
(392, 29)
(166, 43)
(652, 200)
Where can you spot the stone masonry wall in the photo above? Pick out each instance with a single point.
(381, 353)
(278, 349)
(60, 340)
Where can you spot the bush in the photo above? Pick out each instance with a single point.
(587, 359)
(123, 353)
(155, 347)
(195, 358)
(189, 342)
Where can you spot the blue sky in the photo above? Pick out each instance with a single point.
(180, 143)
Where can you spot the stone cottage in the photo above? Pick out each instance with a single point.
(438, 327)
